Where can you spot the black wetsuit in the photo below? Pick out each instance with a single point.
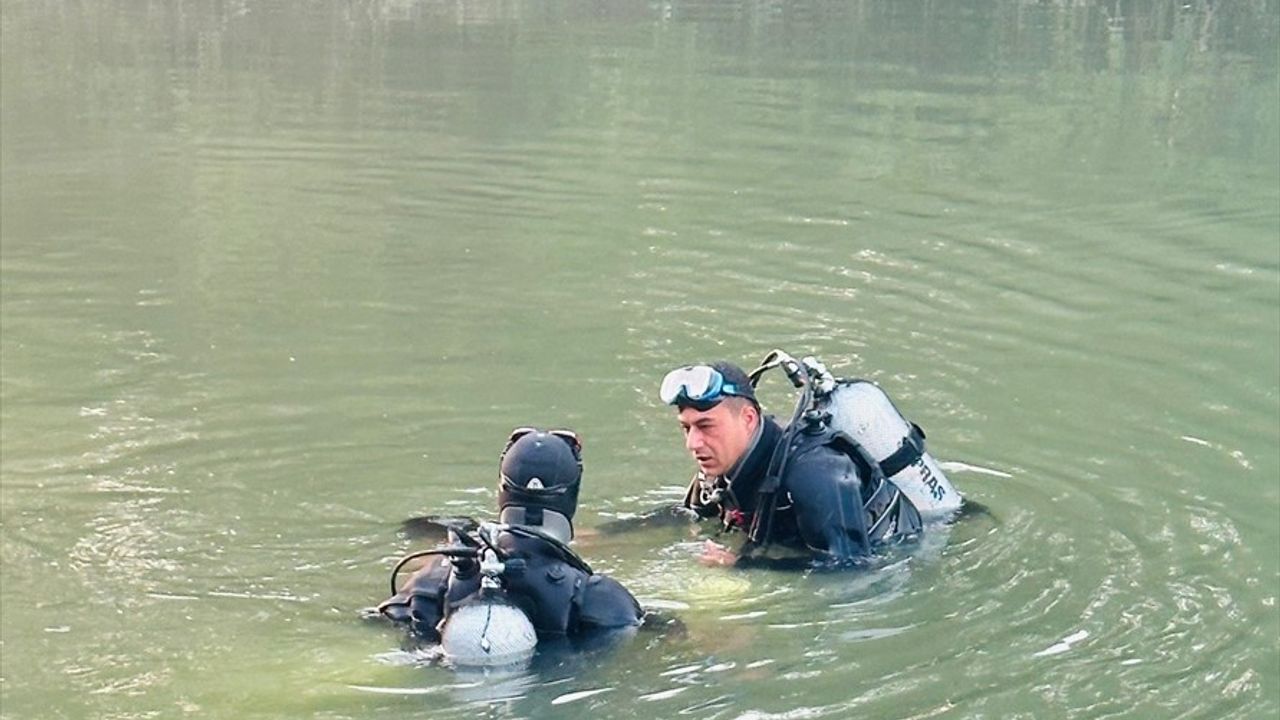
(830, 500)
(557, 591)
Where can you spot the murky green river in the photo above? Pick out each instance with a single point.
(277, 275)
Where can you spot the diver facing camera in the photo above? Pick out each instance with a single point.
(497, 589)
(847, 475)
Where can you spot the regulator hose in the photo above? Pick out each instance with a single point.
(453, 551)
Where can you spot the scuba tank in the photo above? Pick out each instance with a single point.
(472, 601)
(487, 629)
(864, 412)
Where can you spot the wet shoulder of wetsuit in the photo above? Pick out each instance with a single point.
(842, 505)
(606, 604)
(562, 597)
(825, 489)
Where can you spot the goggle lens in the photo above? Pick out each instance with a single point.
(696, 383)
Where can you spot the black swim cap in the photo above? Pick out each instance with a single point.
(541, 470)
(739, 378)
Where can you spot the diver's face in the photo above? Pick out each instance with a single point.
(718, 437)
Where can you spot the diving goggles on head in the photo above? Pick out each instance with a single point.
(568, 436)
(701, 386)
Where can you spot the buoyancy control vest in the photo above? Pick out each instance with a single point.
(864, 412)
(556, 589)
(804, 503)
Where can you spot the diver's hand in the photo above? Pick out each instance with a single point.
(715, 554)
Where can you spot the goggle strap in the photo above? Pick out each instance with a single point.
(568, 436)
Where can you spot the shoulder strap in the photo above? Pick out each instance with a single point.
(761, 530)
(845, 443)
(911, 450)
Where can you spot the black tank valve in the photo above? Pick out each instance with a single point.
(465, 568)
(513, 568)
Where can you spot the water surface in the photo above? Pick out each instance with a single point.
(274, 276)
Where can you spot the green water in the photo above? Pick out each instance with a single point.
(274, 276)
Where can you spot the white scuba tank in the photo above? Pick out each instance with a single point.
(488, 633)
(863, 411)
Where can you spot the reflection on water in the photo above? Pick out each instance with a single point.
(276, 276)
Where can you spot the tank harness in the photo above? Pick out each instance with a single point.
(811, 422)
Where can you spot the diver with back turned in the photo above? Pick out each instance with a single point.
(846, 476)
(523, 561)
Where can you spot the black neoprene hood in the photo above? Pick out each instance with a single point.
(552, 463)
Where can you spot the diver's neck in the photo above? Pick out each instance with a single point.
(550, 522)
(745, 475)
(743, 459)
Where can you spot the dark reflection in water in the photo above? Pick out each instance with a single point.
(504, 70)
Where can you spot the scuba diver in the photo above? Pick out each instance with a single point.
(497, 589)
(847, 475)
